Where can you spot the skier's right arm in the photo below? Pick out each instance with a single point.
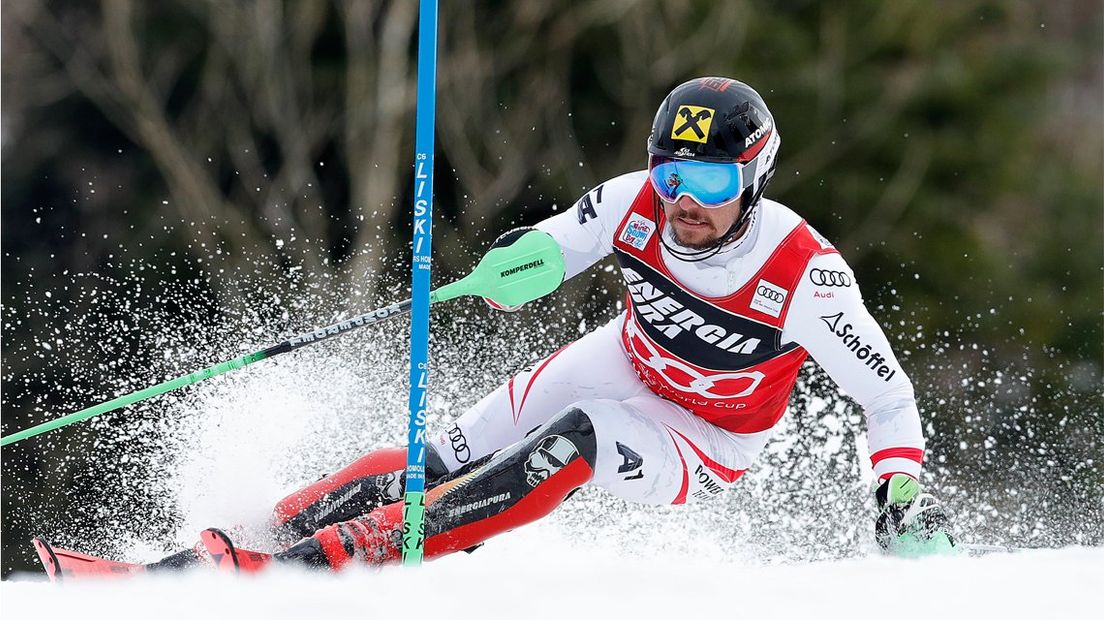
(585, 231)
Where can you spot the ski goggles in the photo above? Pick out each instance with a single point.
(709, 184)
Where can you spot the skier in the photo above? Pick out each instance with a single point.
(671, 401)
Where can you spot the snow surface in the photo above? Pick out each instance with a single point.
(542, 574)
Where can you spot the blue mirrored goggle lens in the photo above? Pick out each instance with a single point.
(710, 184)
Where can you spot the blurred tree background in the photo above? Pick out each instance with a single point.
(953, 150)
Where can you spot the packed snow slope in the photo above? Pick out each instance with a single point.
(541, 573)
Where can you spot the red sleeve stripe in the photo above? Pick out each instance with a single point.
(912, 454)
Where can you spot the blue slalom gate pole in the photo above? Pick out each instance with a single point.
(413, 535)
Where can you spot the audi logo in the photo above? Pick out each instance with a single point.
(826, 277)
(770, 294)
(459, 444)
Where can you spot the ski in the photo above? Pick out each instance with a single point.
(979, 549)
(65, 565)
(229, 558)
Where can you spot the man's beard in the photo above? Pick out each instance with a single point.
(707, 244)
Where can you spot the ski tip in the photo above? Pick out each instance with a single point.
(221, 550)
(228, 557)
(48, 558)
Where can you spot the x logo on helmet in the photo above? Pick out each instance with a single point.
(697, 120)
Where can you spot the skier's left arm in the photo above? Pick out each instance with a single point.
(828, 318)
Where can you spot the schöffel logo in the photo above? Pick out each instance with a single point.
(769, 298)
(512, 270)
(827, 277)
(637, 231)
(869, 357)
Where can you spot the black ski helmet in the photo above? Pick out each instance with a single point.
(718, 120)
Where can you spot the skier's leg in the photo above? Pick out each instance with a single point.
(593, 367)
(645, 449)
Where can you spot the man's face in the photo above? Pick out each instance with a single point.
(696, 227)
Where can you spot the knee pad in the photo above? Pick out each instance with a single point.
(556, 443)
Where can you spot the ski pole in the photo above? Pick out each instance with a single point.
(413, 532)
(530, 268)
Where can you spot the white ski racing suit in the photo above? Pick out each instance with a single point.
(684, 387)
